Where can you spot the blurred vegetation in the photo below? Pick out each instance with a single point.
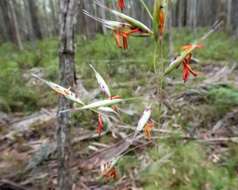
(15, 95)
(223, 98)
(175, 164)
(186, 167)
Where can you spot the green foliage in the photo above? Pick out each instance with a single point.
(219, 46)
(185, 167)
(174, 165)
(223, 98)
(13, 92)
(15, 95)
(208, 106)
(103, 54)
(127, 163)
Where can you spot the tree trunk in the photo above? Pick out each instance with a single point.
(3, 29)
(190, 15)
(234, 19)
(34, 19)
(194, 17)
(228, 18)
(54, 19)
(102, 14)
(17, 37)
(180, 5)
(47, 26)
(81, 21)
(6, 18)
(9, 16)
(29, 29)
(67, 19)
(90, 24)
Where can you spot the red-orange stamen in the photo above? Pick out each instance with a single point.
(115, 97)
(111, 173)
(121, 4)
(189, 46)
(100, 124)
(123, 36)
(147, 129)
(118, 40)
(187, 68)
(161, 22)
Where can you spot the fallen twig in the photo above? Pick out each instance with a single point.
(9, 185)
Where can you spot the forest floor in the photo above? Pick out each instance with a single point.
(194, 146)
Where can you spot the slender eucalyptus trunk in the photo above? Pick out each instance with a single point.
(234, 19)
(17, 35)
(180, 13)
(67, 19)
(82, 21)
(45, 21)
(102, 14)
(3, 32)
(228, 18)
(192, 15)
(54, 18)
(28, 30)
(34, 19)
(10, 18)
(90, 24)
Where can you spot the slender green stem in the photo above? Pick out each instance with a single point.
(162, 66)
(161, 76)
(147, 9)
(155, 58)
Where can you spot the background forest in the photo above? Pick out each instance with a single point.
(30, 20)
(194, 140)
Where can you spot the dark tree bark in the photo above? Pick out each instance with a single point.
(228, 17)
(9, 16)
(6, 18)
(90, 24)
(54, 18)
(3, 30)
(67, 19)
(192, 14)
(180, 14)
(102, 14)
(27, 18)
(17, 37)
(34, 19)
(45, 21)
(82, 20)
(234, 19)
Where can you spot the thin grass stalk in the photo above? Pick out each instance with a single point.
(147, 9)
(159, 63)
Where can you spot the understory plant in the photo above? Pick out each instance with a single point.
(122, 29)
